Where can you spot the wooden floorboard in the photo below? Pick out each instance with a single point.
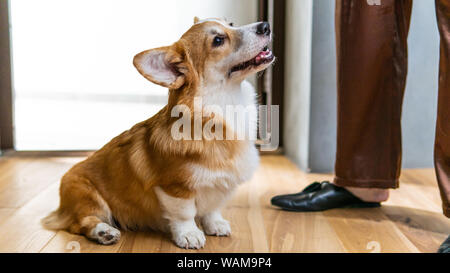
(411, 221)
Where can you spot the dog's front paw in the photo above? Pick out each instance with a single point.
(193, 239)
(219, 227)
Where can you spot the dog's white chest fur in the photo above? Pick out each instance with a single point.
(213, 187)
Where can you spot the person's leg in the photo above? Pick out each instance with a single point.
(372, 68)
(442, 145)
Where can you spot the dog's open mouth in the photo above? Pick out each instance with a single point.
(263, 57)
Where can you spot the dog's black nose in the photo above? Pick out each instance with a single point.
(263, 29)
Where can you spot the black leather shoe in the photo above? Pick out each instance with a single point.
(445, 247)
(327, 196)
(311, 188)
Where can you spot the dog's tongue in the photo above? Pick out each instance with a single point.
(263, 55)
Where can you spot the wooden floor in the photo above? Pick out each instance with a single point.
(410, 222)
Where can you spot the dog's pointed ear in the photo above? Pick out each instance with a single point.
(163, 66)
(196, 20)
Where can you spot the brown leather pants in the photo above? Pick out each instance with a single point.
(372, 68)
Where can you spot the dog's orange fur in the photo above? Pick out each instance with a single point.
(115, 184)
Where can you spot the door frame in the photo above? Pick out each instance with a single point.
(6, 86)
(271, 85)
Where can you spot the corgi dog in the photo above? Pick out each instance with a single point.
(147, 179)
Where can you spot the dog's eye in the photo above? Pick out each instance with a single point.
(231, 24)
(218, 41)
